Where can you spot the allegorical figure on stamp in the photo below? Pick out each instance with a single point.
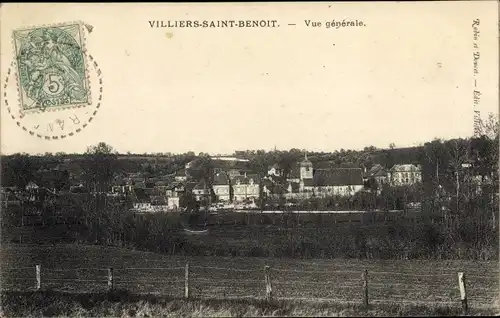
(52, 67)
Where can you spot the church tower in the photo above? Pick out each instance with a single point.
(306, 168)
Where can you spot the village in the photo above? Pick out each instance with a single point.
(239, 189)
(233, 186)
(233, 183)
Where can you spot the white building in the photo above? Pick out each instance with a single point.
(245, 188)
(405, 174)
(221, 186)
(173, 203)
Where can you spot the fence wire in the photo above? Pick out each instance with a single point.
(391, 291)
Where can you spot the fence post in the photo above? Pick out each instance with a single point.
(186, 282)
(463, 292)
(110, 278)
(365, 287)
(38, 277)
(269, 287)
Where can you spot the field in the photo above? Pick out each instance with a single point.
(80, 269)
(123, 304)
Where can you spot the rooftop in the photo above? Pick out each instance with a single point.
(338, 177)
(376, 171)
(221, 179)
(405, 168)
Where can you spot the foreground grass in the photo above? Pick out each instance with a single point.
(125, 304)
(339, 280)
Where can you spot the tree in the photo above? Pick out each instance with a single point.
(231, 191)
(490, 127)
(100, 165)
(18, 170)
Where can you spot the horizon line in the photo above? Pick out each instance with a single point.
(234, 153)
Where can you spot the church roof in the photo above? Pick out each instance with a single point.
(338, 177)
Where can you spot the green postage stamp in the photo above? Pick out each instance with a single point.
(51, 67)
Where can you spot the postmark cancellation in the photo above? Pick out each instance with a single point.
(53, 88)
(52, 67)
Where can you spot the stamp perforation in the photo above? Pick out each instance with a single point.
(83, 40)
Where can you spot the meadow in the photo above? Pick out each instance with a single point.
(123, 304)
(399, 286)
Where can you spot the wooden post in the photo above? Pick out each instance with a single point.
(269, 287)
(365, 287)
(463, 292)
(186, 282)
(110, 278)
(38, 277)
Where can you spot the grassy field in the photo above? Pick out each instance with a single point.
(82, 269)
(123, 304)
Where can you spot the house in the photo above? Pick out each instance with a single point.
(277, 187)
(405, 174)
(275, 170)
(121, 185)
(32, 187)
(34, 190)
(174, 189)
(173, 193)
(245, 187)
(377, 173)
(221, 186)
(233, 172)
(180, 175)
(201, 190)
(160, 187)
(121, 189)
(173, 203)
(142, 205)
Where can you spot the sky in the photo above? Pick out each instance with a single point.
(406, 77)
